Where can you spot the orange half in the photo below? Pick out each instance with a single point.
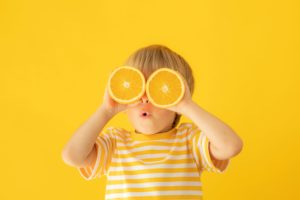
(126, 84)
(165, 87)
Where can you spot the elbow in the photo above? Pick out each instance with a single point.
(70, 159)
(236, 147)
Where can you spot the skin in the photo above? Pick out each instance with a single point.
(224, 143)
(160, 120)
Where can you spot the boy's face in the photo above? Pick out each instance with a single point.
(149, 119)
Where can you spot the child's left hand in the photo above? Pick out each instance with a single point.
(186, 99)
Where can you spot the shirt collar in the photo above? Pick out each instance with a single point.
(135, 135)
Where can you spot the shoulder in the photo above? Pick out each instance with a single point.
(108, 132)
(114, 132)
(190, 129)
(188, 126)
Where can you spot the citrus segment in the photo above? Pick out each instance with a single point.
(165, 87)
(126, 84)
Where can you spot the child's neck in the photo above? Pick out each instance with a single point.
(162, 131)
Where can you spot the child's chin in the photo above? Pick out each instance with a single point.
(148, 131)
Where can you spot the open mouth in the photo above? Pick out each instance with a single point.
(145, 114)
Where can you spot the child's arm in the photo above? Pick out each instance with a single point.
(225, 143)
(80, 150)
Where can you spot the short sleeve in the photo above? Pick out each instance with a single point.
(199, 144)
(105, 146)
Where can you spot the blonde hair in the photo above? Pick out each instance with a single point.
(150, 58)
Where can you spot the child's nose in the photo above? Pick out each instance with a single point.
(145, 98)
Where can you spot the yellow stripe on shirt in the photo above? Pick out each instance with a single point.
(165, 165)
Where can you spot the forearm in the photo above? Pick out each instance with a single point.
(83, 140)
(220, 135)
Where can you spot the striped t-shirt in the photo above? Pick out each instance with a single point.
(165, 165)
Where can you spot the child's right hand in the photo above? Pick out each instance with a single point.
(114, 107)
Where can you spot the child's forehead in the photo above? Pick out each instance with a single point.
(146, 76)
(147, 73)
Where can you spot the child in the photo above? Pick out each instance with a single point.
(157, 158)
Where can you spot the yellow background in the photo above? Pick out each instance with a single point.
(55, 60)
